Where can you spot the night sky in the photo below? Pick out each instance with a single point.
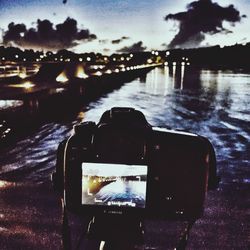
(109, 26)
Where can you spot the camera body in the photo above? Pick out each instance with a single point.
(124, 166)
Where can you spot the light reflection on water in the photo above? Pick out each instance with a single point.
(5, 184)
(212, 103)
(10, 104)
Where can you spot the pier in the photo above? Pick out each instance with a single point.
(32, 92)
(55, 79)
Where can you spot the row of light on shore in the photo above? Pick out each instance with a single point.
(61, 59)
(156, 53)
(62, 77)
(81, 73)
(88, 59)
(122, 58)
(183, 63)
(175, 64)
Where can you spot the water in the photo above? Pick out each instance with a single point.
(212, 103)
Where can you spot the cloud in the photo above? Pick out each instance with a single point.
(136, 47)
(202, 17)
(103, 41)
(46, 36)
(117, 41)
(164, 45)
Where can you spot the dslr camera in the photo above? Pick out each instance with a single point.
(124, 166)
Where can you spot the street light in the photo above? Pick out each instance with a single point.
(108, 71)
(62, 78)
(22, 75)
(28, 85)
(80, 73)
(98, 73)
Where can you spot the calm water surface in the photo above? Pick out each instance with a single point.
(212, 103)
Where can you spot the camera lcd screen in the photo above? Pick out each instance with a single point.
(106, 184)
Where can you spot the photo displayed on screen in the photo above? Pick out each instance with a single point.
(120, 185)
